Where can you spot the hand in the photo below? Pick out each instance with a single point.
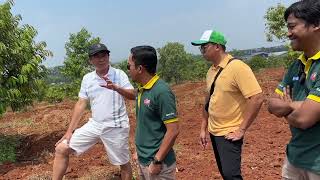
(203, 139)
(109, 84)
(154, 169)
(135, 156)
(236, 135)
(66, 137)
(205, 114)
(135, 159)
(279, 107)
(286, 95)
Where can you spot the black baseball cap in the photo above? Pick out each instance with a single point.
(95, 48)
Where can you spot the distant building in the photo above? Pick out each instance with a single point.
(264, 54)
(260, 54)
(278, 53)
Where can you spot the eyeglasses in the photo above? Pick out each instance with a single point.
(203, 48)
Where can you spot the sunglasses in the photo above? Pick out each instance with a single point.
(203, 48)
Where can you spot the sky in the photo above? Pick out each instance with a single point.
(122, 24)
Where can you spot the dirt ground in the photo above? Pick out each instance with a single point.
(42, 125)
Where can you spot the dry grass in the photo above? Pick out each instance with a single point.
(42, 176)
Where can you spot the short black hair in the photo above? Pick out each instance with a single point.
(307, 10)
(145, 56)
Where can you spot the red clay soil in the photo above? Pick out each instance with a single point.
(43, 125)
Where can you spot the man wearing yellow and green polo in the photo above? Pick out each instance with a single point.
(298, 99)
(233, 102)
(156, 116)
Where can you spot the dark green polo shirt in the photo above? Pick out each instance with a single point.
(303, 150)
(155, 107)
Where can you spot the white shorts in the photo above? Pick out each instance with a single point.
(115, 141)
(290, 172)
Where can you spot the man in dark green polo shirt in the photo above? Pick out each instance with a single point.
(298, 98)
(156, 114)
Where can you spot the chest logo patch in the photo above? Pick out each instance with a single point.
(313, 76)
(146, 102)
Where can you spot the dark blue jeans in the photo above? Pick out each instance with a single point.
(228, 157)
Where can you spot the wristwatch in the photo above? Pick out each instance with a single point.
(156, 161)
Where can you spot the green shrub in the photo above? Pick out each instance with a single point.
(8, 147)
(58, 92)
(256, 63)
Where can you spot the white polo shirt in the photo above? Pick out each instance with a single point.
(107, 106)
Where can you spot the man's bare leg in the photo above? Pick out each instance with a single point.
(126, 171)
(61, 161)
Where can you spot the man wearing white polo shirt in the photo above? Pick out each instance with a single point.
(104, 89)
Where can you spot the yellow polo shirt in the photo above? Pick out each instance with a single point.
(234, 85)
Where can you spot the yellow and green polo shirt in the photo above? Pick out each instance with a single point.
(234, 85)
(155, 107)
(303, 150)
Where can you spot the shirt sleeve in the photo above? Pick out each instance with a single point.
(314, 93)
(246, 80)
(286, 81)
(167, 107)
(124, 81)
(83, 93)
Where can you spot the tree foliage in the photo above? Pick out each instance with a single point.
(54, 76)
(175, 65)
(276, 28)
(198, 68)
(122, 65)
(20, 61)
(276, 25)
(237, 53)
(76, 63)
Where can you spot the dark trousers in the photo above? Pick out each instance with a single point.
(228, 157)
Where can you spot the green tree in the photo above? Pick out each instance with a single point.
(55, 76)
(122, 65)
(275, 23)
(174, 63)
(198, 67)
(76, 63)
(20, 61)
(257, 62)
(237, 53)
(276, 28)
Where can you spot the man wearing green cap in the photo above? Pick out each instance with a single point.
(233, 102)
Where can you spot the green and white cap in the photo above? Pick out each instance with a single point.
(210, 36)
